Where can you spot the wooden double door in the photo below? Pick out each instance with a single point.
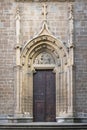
(44, 96)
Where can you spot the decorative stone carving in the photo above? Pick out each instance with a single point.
(44, 13)
(71, 26)
(44, 43)
(59, 62)
(44, 58)
(18, 25)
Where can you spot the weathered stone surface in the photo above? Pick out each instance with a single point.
(81, 57)
(44, 126)
(31, 23)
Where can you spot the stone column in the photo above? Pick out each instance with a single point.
(71, 56)
(18, 79)
(18, 64)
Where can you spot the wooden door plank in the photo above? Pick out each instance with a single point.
(44, 96)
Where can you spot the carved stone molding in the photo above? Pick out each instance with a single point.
(18, 46)
(44, 51)
(71, 23)
(18, 25)
(44, 58)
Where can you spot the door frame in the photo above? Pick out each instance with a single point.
(52, 70)
(55, 70)
(64, 61)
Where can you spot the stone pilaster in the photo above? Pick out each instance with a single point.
(71, 54)
(18, 79)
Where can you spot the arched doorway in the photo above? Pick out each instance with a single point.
(45, 55)
(44, 88)
(49, 54)
(28, 66)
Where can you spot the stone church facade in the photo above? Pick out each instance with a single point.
(43, 60)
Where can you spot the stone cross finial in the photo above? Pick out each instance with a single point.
(44, 13)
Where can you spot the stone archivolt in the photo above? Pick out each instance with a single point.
(46, 44)
(46, 52)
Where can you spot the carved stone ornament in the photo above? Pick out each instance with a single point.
(71, 23)
(44, 58)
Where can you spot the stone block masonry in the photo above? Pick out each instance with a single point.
(7, 56)
(31, 23)
(80, 13)
(44, 126)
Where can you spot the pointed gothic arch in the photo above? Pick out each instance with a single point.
(44, 42)
(50, 53)
(59, 52)
(31, 56)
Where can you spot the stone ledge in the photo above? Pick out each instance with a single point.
(26, 119)
(44, 0)
(46, 126)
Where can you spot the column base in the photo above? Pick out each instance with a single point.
(64, 119)
(18, 118)
(28, 119)
(21, 118)
(71, 119)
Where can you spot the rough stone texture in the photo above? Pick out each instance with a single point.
(44, 126)
(32, 19)
(81, 57)
(31, 23)
(7, 56)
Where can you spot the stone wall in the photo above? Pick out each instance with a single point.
(81, 57)
(7, 56)
(32, 19)
(31, 23)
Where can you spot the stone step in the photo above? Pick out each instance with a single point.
(43, 126)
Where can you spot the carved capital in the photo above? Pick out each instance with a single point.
(72, 46)
(17, 67)
(18, 46)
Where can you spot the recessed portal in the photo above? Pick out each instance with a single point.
(44, 97)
